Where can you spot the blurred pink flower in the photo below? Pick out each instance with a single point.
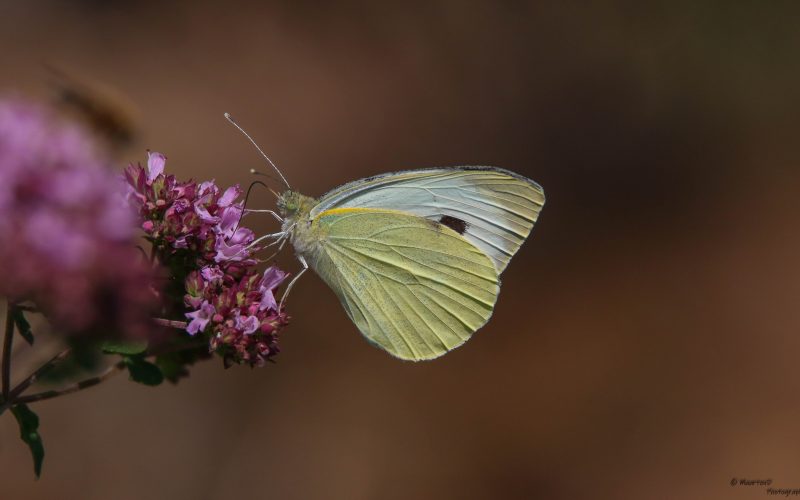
(67, 230)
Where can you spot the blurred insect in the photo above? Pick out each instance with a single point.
(104, 109)
(415, 256)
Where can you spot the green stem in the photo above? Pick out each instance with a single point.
(7, 343)
(83, 384)
(12, 398)
(153, 254)
(78, 386)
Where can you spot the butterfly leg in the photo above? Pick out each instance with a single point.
(282, 241)
(273, 235)
(285, 238)
(291, 283)
(272, 213)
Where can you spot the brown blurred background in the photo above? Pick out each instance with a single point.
(645, 343)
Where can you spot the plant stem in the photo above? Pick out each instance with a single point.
(78, 386)
(153, 254)
(14, 397)
(11, 399)
(83, 384)
(7, 342)
(170, 323)
(32, 378)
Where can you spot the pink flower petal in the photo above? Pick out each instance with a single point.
(229, 195)
(155, 165)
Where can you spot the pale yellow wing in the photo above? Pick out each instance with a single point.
(494, 209)
(412, 286)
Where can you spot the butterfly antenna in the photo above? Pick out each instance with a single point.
(268, 176)
(233, 122)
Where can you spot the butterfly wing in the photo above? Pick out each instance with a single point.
(493, 209)
(413, 287)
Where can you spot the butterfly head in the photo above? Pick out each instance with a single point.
(293, 205)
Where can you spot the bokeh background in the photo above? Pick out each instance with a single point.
(646, 340)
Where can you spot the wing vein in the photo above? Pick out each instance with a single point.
(429, 278)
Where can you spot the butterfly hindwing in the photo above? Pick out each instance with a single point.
(413, 286)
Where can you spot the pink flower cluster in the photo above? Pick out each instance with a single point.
(241, 315)
(67, 231)
(198, 218)
(229, 300)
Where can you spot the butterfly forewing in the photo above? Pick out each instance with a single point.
(492, 208)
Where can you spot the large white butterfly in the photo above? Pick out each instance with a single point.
(414, 257)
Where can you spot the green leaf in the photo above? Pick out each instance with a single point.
(29, 433)
(172, 368)
(126, 347)
(23, 327)
(143, 371)
(175, 365)
(85, 359)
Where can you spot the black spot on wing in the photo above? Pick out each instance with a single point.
(453, 223)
